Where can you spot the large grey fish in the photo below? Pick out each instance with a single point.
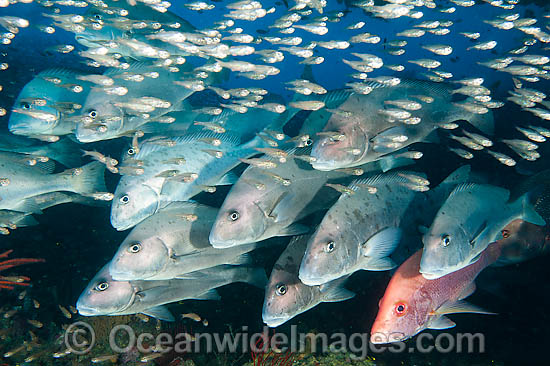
(259, 206)
(15, 219)
(176, 169)
(104, 26)
(64, 151)
(286, 296)
(248, 124)
(470, 219)
(23, 181)
(44, 105)
(172, 243)
(105, 296)
(362, 229)
(106, 116)
(371, 128)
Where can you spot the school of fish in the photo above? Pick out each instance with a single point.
(347, 185)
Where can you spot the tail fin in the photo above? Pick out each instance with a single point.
(483, 122)
(528, 212)
(65, 152)
(254, 276)
(90, 180)
(389, 162)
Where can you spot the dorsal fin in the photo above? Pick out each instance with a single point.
(307, 74)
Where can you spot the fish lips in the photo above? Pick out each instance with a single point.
(120, 225)
(330, 154)
(273, 321)
(119, 275)
(433, 275)
(86, 42)
(310, 278)
(86, 310)
(384, 338)
(218, 242)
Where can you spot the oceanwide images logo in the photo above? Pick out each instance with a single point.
(80, 339)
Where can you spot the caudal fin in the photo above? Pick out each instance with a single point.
(254, 276)
(484, 122)
(528, 211)
(90, 179)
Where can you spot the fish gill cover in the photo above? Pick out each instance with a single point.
(226, 174)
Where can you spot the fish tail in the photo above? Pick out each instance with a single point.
(254, 276)
(483, 122)
(89, 180)
(527, 210)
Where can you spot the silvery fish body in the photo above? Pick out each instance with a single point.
(41, 95)
(471, 218)
(286, 296)
(373, 128)
(105, 296)
(362, 229)
(172, 243)
(260, 207)
(27, 181)
(175, 169)
(106, 116)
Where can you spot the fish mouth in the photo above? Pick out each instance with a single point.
(86, 42)
(432, 275)
(330, 155)
(309, 279)
(384, 338)
(435, 273)
(19, 129)
(119, 275)
(86, 311)
(217, 242)
(120, 226)
(274, 322)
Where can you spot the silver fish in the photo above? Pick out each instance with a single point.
(286, 296)
(469, 220)
(169, 245)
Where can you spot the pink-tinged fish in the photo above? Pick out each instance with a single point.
(413, 303)
(522, 241)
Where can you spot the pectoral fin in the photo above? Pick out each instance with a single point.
(440, 322)
(159, 312)
(461, 306)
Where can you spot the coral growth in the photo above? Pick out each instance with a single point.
(9, 282)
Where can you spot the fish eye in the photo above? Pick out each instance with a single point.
(281, 289)
(308, 142)
(329, 248)
(98, 17)
(102, 286)
(505, 234)
(446, 240)
(92, 113)
(131, 151)
(25, 105)
(234, 215)
(124, 199)
(134, 248)
(401, 308)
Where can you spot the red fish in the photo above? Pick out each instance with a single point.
(412, 303)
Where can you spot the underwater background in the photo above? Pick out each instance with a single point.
(75, 240)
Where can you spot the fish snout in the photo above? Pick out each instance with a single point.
(310, 274)
(339, 151)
